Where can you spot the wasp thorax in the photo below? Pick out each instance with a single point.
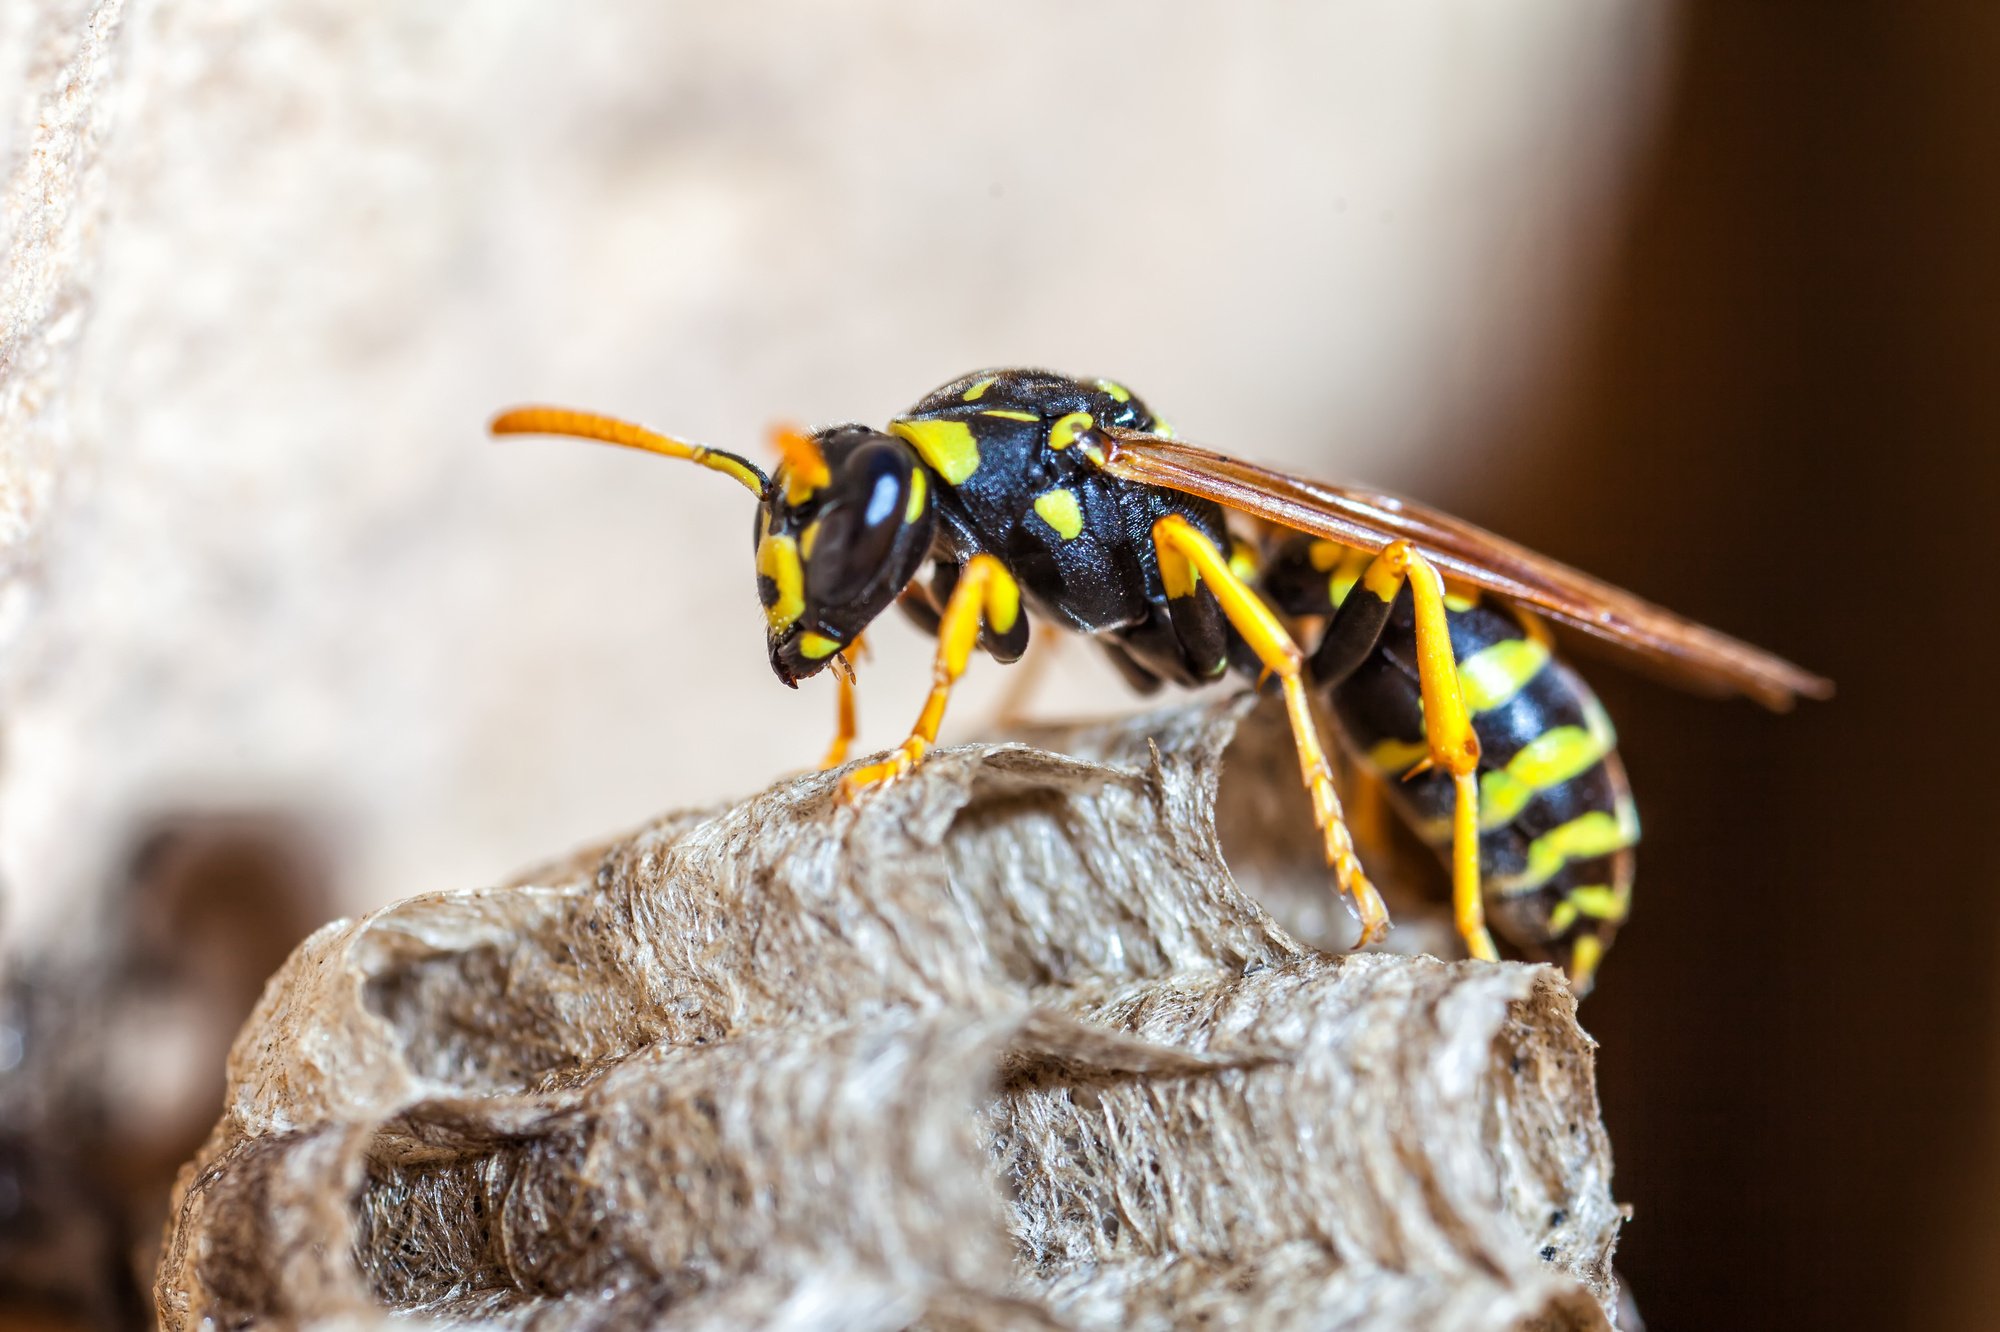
(844, 527)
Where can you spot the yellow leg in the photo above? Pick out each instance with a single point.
(1185, 554)
(846, 720)
(985, 591)
(1467, 907)
(1448, 729)
(1367, 809)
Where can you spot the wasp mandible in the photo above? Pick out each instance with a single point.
(1029, 492)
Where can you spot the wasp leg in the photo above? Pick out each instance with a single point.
(1136, 674)
(1454, 746)
(1005, 646)
(1367, 805)
(1012, 709)
(1187, 555)
(984, 595)
(1200, 630)
(916, 603)
(846, 717)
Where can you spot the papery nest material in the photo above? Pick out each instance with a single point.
(1004, 1046)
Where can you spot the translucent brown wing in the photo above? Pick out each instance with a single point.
(1692, 654)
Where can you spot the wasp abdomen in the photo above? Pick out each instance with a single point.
(1557, 823)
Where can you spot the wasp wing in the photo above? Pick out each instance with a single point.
(1369, 520)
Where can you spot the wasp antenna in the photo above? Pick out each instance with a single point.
(804, 464)
(610, 430)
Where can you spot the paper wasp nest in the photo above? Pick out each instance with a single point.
(1004, 1047)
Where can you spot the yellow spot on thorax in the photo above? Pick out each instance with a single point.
(920, 490)
(1009, 414)
(948, 446)
(978, 391)
(778, 560)
(1064, 432)
(1058, 508)
(1116, 390)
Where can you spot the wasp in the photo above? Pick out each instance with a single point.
(1032, 494)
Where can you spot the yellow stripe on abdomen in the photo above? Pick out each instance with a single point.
(1497, 672)
(1550, 759)
(1597, 901)
(1586, 837)
(1393, 757)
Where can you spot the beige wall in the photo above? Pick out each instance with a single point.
(271, 266)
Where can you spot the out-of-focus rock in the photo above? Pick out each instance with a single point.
(111, 1066)
(1004, 1046)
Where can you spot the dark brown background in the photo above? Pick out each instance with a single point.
(1798, 1030)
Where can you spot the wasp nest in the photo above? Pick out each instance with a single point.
(1004, 1046)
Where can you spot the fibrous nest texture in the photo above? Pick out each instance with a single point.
(1001, 1046)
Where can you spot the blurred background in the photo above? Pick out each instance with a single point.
(1696, 296)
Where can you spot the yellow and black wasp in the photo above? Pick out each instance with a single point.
(1032, 492)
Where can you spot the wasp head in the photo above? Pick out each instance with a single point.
(844, 526)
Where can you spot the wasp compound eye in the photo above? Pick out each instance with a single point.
(857, 530)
